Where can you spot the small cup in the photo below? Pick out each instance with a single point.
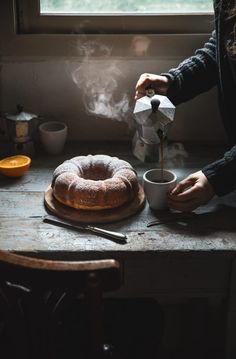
(53, 136)
(156, 190)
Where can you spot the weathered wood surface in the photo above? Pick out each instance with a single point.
(22, 209)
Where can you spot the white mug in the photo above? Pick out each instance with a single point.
(156, 190)
(53, 136)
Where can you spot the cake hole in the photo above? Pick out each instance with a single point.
(96, 174)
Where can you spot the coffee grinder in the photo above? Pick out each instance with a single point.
(20, 129)
(154, 115)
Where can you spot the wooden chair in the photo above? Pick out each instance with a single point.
(32, 293)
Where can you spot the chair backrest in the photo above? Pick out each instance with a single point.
(33, 277)
(41, 273)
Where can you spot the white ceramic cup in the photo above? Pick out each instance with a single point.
(53, 136)
(155, 190)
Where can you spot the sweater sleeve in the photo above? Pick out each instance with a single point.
(222, 173)
(194, 75)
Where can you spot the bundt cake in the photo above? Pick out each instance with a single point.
(94, 182)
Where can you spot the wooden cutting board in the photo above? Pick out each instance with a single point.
(101, 216)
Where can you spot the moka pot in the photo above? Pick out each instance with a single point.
(153, 117)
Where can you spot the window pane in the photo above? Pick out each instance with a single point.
(124, 6)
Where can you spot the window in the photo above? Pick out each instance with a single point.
(114, 16)
(124, 6)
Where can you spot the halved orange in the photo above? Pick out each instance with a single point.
(15, 166)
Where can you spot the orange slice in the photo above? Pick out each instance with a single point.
(15, 166)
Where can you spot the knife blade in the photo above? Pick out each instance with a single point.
(115, 235)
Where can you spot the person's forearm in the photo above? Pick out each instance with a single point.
(194, 75)
(222, 173)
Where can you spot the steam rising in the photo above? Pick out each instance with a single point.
(175, 154)
(98, 77)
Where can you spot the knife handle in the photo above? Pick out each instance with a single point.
(115, 235)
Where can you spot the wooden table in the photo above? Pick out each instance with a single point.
(194, 258)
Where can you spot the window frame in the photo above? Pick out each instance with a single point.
(165, 44)
(29, 21)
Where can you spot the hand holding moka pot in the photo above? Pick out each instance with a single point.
(154, 115)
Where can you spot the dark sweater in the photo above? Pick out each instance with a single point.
(213, 65)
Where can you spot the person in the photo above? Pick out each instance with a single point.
(214, 64)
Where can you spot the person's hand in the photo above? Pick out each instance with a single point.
(158, 82)
(192, 192)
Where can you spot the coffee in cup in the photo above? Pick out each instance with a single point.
(157, 183)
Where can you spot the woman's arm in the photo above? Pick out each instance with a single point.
(194, 75)
(222, 173)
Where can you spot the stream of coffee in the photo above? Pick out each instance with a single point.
(161, 137)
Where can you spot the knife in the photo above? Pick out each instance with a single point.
(101, 231)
